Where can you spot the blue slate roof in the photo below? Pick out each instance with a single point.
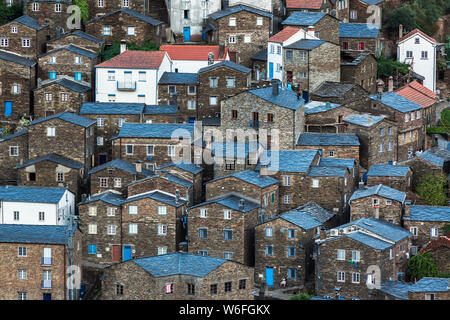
(238, 8)
(306, 44)
(74, 49)
(286, 97)
(236, 150)
(396, 289)
(382, 170)
(437, 156)
(358, 30)
(112, 108)
(326, 171)
(120, 164)
(365, 120)
(31, 194)
(179, 263)
(66, 83)
(429, 213)
(261, 55)
(349, 163)
(132, 13)
(189, 167)
(154, 130)
(319, 106)
(299, 18)
(252, 177)
(226, 63)
(169, 177)
(231, 201)
(108, 196)
(427, 284)
(69, 117)
(396, 101)
(157, 196)
(160, 109)
(287, 160)
(29, 22)
(53, 158)
(22, 233)
(303, 220)
(380, 190)
(86, 36)
(14, 135)
(317, 212)
(371, 2)
(370, 241)
(12, 57)
(178, 78)
(328, 139)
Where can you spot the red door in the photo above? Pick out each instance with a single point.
(116, 253)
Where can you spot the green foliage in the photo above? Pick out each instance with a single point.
(446, 229)
(84, 9)
(422, 265)
(301, 296)
(9, 13)
(114, 49)
(404, 15)
(431, 189)
(388, 67)
(443, 125)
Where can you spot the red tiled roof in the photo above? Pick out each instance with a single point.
(303, 4)
(416, 85)
(134, 59)
(413, 33)
(283, 35)
(415, 96)
(193, 52)
(436, 243)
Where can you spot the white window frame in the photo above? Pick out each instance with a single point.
(162, 210)
(133, 228)
(232, 22)
(340, 276)
(356, 277)
(13, 154)
(111, 229)
(315, 183)
(51, 132)
(26, 42)
(117, 182)
(162, 229)
(227, 214)
(111, 211)
(92, 228)
(203, 213)
(341, 255)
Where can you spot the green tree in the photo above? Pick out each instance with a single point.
(431, 189)
(9, 13)
(114, 49)
(422, 265)
(446, 229)
(388, 67)
(84, 9)
(301, 296)
(404, 15)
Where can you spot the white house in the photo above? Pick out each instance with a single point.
(191, 58)
(419, 50)
(131, 77)
(35, 205)
(275, 45)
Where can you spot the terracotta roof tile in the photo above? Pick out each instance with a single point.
(193, 52)
(436, 243)
(415, 96)
(304, 4)
(283, 35)
(416, 85)
(135, 59)
(409, 35)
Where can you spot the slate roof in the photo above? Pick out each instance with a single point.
(178, 78)
(189, 167)
(211, 121)
(288, 160)
(226, 63)
(108, 196)
(132, 13)
(349, 163)
(111, 108)
(73, 48)
(364, 120)
(121, 165)
(233, 149)
(330, 89)
(14, 135)
(306, 44)
(261, 55)
(179, 263)
(69, 117)
(160, 109)
(153, 130)
(168, 177)
(303, 4)
(313, 107)
(396, 101)
(427, 284)
(157, 196)
(66, 83)
(31, 194)
(328, 139)
(317, 212)
(283, 35)
(135, 59)
(370, 240)
(231, 201)
(301, 219)
(29, 22)
(428, 213)
(251, 177)
(193, 52)
(299, 18)
(396, 289)
(286, 98)
(380, 190)
(22, 233)
(53, 158)
(436, 156)
(371, 2)
(238, 8)
(80, 34)
(382, 170)
(12, 57)
(325, 171)
(358, 30)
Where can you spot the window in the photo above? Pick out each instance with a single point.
(292, 273)
(414, 231)
(289, 54)
(230, 82)
(22, 296)
(406, 117)
(391, 253)
(213, 82)
(100, 3)
(302, 75)
(26, 43)
(413, 116)
(92, 211)
(106, 30)
(388, 202)
(291, 233)
(64, 97)
(228, 286)
(35, 6)
(418, 114)
(356, 277)
(192, 89)
(111, 211)
(390, 146)
(213, 100)
(92, 229)
(203, 233)
(361, 46)
(169, 288)
(191, 104)
(78, 76)
(213, 289)
(99, 141)
(234, 114)
(381, 132)
(409, 54)
(345, 45)
(112, 229)
(341, 255)
(92, 249)
(60, 177)
(287, 199)
(119, 287)
(111, 97)
(355, 256)
(16, 215)
(272, 48)
(247, 38)
(125, 3)
(4, 42)
(278, 49)
(100, 122)
(232, 22)
(130, 31)
(111, 75)
(331, 153)
(278, 67)
(129, 149)
(14, 29)
(429, 296)
(103, 182)
(162, 229)
(269, 232)
(259, 21)
(133, 228)
(434, 232)
(203, 253)
(269, 250)
(13, 151)
(381, 147)
(341, 276)
(22, 274)
(170, 150)
(424, 55)
(228, 234)
(228, 255)
(353, 14)
(150, 150)
(417, 40)
(227, 214)
(203, 213)
(120, 122)
(191, 289)
(16, 89)
(162, 210)
(315, 183)
(232, 39)
(291, 251)
(22, 251)
(162, 250)
(132, 209)
(286, 181)
(117, 182)
(48, 97)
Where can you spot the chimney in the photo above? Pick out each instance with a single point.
(41, 20)
(323, 233)
(400, 31)
(275, 89)
(139, 166)
(123, 46)
(263, 171)
(380, 90)
(177, 196)
(241, 204)
(391, 84)
(311, 31)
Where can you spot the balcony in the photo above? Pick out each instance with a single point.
(46, 284)
(46, 261)
(254, 124)
(126, 85)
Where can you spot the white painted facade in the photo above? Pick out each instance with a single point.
(409, 51)
(275, 52)
(258, 4)
(192, 66)
(145, 82)
(28, 212)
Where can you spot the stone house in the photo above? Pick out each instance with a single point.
(361, 37)
(283, 249)
(325, 26)
(310, 6)
(224, 227)
(53, 96)
(115, 175)
(72, 61)
(425, 223)
(178, 276)
(233, 157)
(101, 7)
(380, 202)
(378, 138)
(17, 79)
(24, 36)
(243, 29)
(439, 248)
(180, 89)
(342, 93)
(359, 255)
(125, 24)
(77, 38)
(397, 177)
(359, 10)
(218, 82)
(259, 66)
(326, 117)
(342, 10)
(34, 261)
(275, 113)
(13, 150)
(430, 289)
(52, 170)
(77, 133)
(360, 68)
(152, 143)
(250, 184)
(339, 162)
(162, 114)
(327, 218)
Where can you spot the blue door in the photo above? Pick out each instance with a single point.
(270, 70)
(8, 108)
(191, 120)
(47, 296)
(52, 75)
(269, 276)
(390, 163)
(187, 33)
(126, 253)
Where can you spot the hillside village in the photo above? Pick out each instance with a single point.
(223, 150)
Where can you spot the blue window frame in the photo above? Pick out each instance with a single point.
(269, 250)
(52, 75)
(269, 232)
(142, 76)
(92, 249)
(291, 251)
(78, 76)
(228, 234)
(292, 273)
(203, 233)
(291, 233)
